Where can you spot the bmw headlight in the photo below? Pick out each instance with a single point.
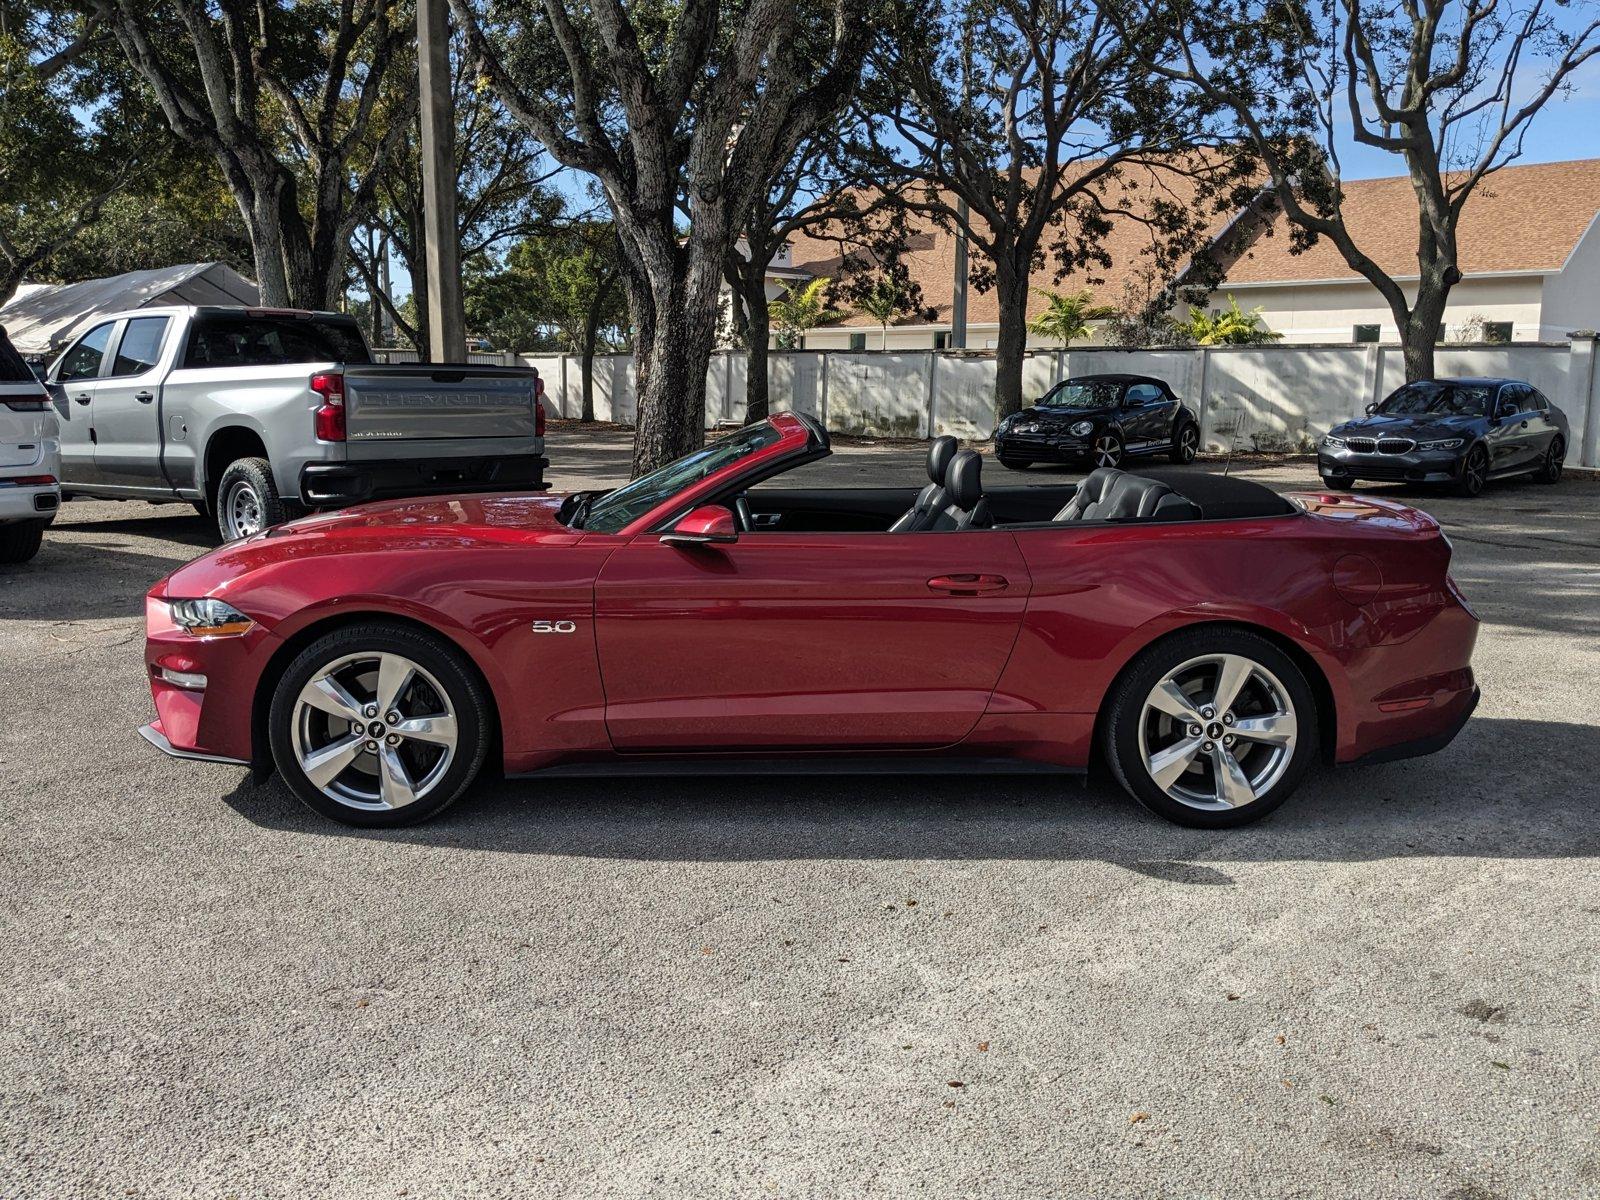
(209, 618)
(1443, 444)
(1333, 443)
(1083, 429)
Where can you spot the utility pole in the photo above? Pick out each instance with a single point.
(447, 322)
(958, 286)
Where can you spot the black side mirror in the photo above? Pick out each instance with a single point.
(1372, 408)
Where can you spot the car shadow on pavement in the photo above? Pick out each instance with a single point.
(1471, 799)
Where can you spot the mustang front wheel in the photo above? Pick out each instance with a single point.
(380, 725)
(1212, 728)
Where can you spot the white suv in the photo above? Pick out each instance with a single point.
(30, 458)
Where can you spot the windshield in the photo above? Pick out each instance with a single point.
(1073, 394)
(1439, 400)
(614, 510)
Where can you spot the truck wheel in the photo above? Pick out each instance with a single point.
(20, 542)
(248, 500)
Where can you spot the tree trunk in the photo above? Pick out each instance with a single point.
(591, 335)
(1011, 294)
(672, 392)
(758, 335)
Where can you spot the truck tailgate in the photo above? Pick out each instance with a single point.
(386, 404)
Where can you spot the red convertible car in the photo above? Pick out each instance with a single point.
(1208, 640)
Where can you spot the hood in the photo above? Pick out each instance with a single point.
(1044, 414)
(1420, 426)
(391, 526)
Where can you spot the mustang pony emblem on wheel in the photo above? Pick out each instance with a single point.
(1206, 639)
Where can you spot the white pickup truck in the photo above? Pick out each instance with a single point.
(256, 414)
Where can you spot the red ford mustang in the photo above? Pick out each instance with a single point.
(1206, 638)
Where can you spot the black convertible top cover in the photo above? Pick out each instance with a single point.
(1221, 497)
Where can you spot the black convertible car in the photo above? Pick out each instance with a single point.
(1099, 419)
(1463, 432)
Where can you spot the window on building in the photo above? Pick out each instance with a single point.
(1367, 333)
(1498, 332)
(858, 341)
(941, 341)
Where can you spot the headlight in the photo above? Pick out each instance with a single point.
(1445, 444)
(209, 618)
(1083, 428)
(1333, 443)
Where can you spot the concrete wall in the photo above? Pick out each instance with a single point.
(1278, 398)
(1329, 312)
(1572, 297)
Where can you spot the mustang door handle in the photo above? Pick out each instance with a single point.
(968, 585)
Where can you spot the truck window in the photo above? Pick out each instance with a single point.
(140, 347)
(242, 340)
(83, 360)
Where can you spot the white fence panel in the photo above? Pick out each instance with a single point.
(874, 394)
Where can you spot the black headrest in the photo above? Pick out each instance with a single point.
(940, 453)
(1097, 483)
(964, 480)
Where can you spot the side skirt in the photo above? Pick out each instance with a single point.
(800, 765)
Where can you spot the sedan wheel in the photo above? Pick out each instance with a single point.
(1554, 460)
(1212, 729)
(1107, 450)
(1474, 472)
(382, 726)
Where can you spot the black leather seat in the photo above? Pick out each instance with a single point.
(1108, 494)
(963, 484)
(933, 499)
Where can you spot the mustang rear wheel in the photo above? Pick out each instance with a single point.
(1212, 728)
(379, 725)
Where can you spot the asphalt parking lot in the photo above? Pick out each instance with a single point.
(828, 987)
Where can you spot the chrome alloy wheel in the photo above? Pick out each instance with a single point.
(1217, 732)
(1107, 450)
(242, 510)
(374, 731)
(1188, 443)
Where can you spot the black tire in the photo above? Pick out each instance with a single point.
(20, 541)
(1185, 443)
(456, 678)
(1474, 472)
(1124, 708)
(252, 477)
(1554, 460)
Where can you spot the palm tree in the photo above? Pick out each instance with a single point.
(1231, 326)
(883, 303)
(1068, 316)
(801, 308)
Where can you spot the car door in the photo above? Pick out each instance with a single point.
(1513, 444)
(127, 408)
(806, 640)
(73, 382)
(1147, 416)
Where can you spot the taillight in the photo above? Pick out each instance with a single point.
(31, 480)
(538, 417)
(29, 403)
(330, 414)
